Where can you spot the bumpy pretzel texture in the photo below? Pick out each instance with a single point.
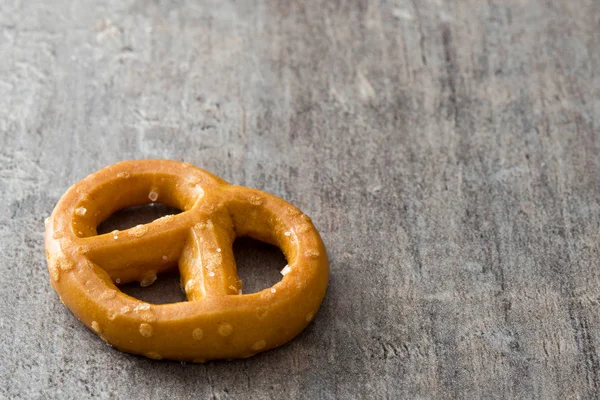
(217, 321)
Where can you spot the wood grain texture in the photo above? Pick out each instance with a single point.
(448, 151)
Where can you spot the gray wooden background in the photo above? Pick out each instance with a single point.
(448, 151)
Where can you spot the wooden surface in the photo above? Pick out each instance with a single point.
(447, 151)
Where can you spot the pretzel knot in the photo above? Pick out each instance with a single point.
(217, 321)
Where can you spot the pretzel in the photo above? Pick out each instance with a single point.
(217, 321)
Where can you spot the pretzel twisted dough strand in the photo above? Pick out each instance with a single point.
(216, 322)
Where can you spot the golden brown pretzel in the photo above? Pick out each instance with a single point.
(217, 322)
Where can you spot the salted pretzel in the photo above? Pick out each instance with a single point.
(217, 321)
